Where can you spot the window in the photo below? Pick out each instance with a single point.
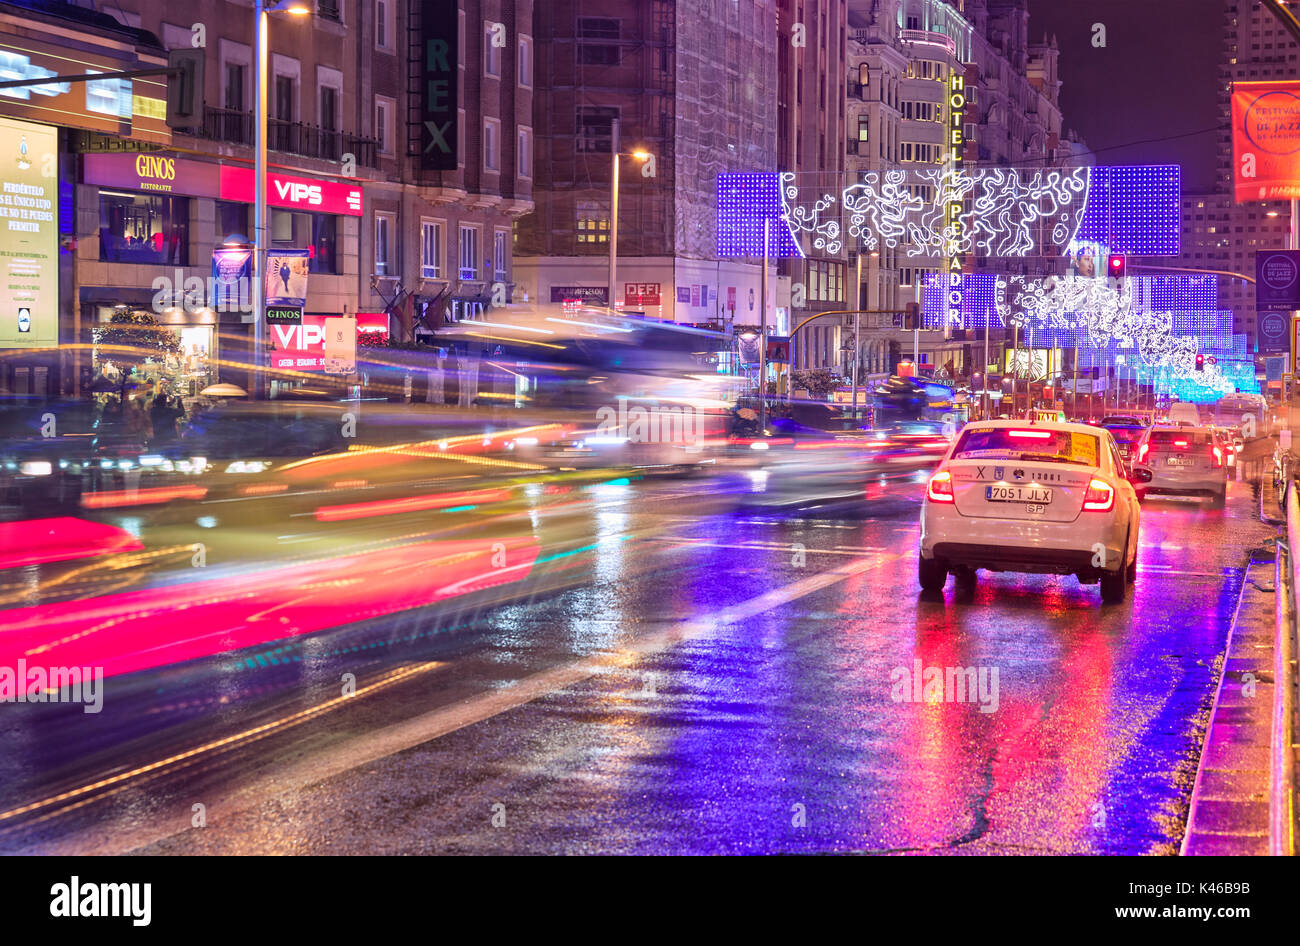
(142, 228)
(526, 61)
(499, 253)
(318, 232)
(284, 98)
(430, 249)
(864, 128)
(525, 155)
(491, 52)
(330, 10)
(329, 108)
(385, 109)
(468, 252)
(592, 29)
(596, 128)
(592, 222)
(235, 86)
(232, 221)
(492, 144)
(383, 23)
(383, 248)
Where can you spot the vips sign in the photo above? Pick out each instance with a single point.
(1266, 140)
(317, 343)
(29, 239)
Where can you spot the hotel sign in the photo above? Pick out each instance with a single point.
(955, 205)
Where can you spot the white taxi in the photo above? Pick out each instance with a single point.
(1029, 496)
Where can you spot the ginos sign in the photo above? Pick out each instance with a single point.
(155, 167)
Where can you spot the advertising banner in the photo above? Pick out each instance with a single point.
(29, 238)
(340, 345)
(1274, 332)
(317, 343)
(286, 277)
(641, 293)
(591, 295)
(1266, 140)
(232, 277)
(1277, 280)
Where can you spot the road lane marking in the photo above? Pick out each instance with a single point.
(370, 747)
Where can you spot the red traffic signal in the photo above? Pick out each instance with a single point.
(1200, 362)
(1115, 266)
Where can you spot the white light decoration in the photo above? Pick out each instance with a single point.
(1010, 212)
(825, 232)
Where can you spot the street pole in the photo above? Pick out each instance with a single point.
(259, 203)
(1015, 368)
(613, 218)
(984, 393)
(857, 346)
(762, 341)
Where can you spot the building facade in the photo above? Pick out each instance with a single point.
(691, 86)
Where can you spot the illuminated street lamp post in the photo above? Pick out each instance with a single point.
(295, 8)
(613, 211)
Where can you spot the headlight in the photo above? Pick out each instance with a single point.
(151, 460)
(758, 445)
(247, 466)
(36, 468)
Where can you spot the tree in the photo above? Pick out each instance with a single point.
(133, 338)
(819, 382)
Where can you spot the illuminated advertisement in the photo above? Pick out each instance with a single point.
(286, 277)
(955, 205)
(29, 238)
(1266, 140)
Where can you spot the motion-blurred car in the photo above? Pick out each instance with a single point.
(1185, 461)
(45, 451)
(1019, 496)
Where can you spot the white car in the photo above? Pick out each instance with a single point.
(1024, 496)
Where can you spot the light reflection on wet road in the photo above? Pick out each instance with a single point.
(611, 711)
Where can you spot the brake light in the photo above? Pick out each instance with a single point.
(1180, 443)
(1030, 434)
(1100, 496)
(940, 488)
(1218, 457)
(1143, 450)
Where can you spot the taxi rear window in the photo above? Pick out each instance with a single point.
(1008, 442)
(1166, 437)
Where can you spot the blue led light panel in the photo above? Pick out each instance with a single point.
(1134, 210)
(745, 200)
(978, 301)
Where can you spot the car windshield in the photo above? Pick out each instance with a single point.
(1031, 443)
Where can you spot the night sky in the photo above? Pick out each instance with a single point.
(1155, 78)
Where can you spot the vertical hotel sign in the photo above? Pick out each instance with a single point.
(955, 203)
(439, 38)
(29, 241)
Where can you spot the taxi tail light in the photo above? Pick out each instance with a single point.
(1218, 457)
(1100, 496)
(940, 488)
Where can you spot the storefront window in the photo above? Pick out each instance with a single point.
(232, 220)
(142, 228)
(317, 233)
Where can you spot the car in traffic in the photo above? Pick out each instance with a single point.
(1185, 461)
(1017, 496)
(1128, 433)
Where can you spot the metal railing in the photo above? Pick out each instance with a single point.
(309, 141)
(1282, 763)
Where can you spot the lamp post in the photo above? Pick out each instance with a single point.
(640, 155)
(295, 8)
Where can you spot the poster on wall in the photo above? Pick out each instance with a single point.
(286, 277)
(232, 274)
(29, 239)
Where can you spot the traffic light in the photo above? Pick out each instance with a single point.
(1200, 362)
(1115, 266)
(185, 88)
(912, 319)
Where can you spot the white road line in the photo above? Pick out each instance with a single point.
(370, 747)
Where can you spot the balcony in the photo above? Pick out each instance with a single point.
(928, 38)
(308, 141)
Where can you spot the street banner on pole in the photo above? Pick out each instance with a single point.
(286, 277)
(1266, 140)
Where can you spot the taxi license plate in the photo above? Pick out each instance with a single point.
(1040, 495)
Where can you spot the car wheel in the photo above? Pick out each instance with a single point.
(1114, 586)
(1131, 572)
(932, 572)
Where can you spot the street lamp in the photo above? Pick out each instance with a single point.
(294, 8)
(640, 155)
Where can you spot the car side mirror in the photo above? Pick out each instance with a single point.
(1140, 474)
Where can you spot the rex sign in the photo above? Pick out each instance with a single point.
(439, 78)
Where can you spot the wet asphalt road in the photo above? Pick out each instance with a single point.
(688, 675)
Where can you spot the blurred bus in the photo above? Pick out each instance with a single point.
(1233, 409)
